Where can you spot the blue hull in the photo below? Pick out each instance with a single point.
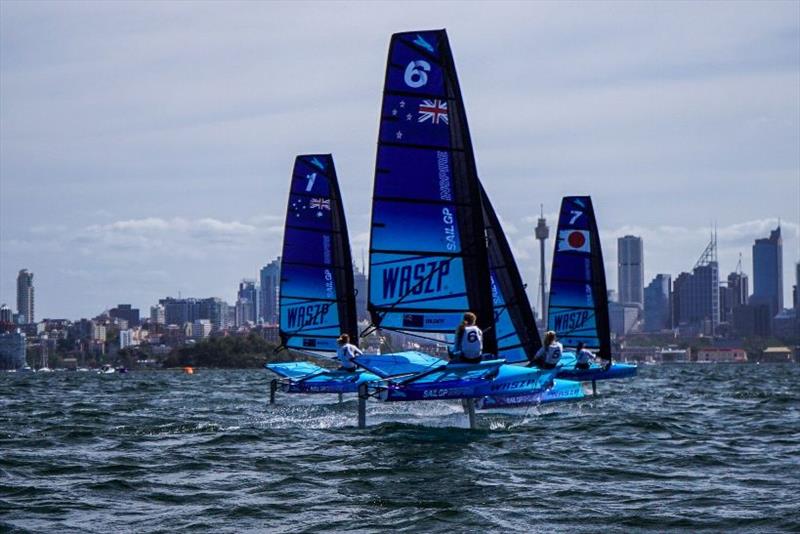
(617, 370)
(305, 377)
(469, 381)
(567, 371)
(561, 391)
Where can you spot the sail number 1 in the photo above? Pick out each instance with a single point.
(417, 73)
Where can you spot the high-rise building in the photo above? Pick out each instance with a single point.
(246, 302)
(6, 315)
(752, 320)
(127, 313)
(630, 270)
(657, 309)
(622, 317)
(695, 296)
(768, 271)
(732, 295)
(213, 309)
(360, 284)
(157, 315)
(270, 277)
(188, 310)
(13, 350)
(179, 311)
(738, 289)
(201, 328)
(125, 338)
(25, 295)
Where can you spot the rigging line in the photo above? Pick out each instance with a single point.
(368, 330)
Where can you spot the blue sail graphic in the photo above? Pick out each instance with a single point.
(428, 258)
(317, 296)
(578, 306)
(515, 326)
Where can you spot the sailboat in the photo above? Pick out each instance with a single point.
(517, 335)
(578, 305)
(317, 295)
(428, 258)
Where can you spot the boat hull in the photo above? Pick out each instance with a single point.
(468, 381)
(306, 377)
(567, 371)
(560, 391)
(596, 372)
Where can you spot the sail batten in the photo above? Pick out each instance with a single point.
(578, 306)
(317, 295)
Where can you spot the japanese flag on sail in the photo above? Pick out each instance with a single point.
(573, 240)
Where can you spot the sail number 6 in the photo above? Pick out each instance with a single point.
(417, 73)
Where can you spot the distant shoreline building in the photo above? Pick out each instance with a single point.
(125, 312)
(246, 303)
(630, 270)
(658, 304)
(695, 295)
(768, 272)
(187, 310)
(13, 350)
(270, 280)
(361, 285)
(25, 302)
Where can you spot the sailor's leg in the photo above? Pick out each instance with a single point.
(594, 388)
(340, 398)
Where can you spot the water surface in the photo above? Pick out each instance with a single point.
(681, 448)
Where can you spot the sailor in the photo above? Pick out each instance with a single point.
(468, 345)
(583, 357)
(548, 356)
(346, 352)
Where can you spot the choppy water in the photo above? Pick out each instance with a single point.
(695, 448)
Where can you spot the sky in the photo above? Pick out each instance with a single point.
(146, 147)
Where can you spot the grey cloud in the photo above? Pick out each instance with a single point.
(668, 114)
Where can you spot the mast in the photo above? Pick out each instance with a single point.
(542, 233)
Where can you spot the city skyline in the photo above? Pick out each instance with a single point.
(611, 270)
(177, 183)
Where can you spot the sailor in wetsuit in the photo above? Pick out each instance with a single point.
(583, 357)
(346, 352)
(548, 356)
(468, 345)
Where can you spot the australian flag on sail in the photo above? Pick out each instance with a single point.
(434, 111)
(416, 121)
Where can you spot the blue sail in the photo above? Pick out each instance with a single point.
(515, 326)
(317, 296)
(578, 306)
(428, 256)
